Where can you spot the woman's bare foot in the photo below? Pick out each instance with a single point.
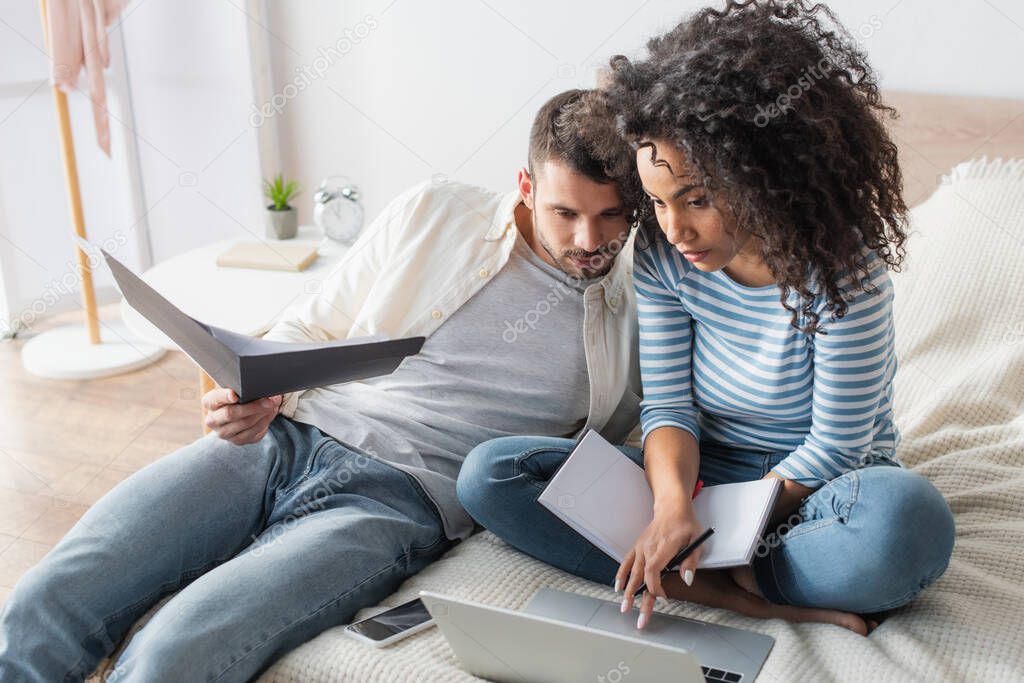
(745, 579)
(718, 589)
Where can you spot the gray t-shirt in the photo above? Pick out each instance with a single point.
(510, 361)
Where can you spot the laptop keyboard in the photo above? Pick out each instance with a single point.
(718, 675)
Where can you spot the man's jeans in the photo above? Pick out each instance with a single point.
(869, 540)
(270, 543)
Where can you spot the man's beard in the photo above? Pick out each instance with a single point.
(599, 262)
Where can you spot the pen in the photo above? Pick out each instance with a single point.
(680, 556)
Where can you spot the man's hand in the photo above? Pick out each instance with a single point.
(239, 423)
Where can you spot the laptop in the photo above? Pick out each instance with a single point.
(562, 637)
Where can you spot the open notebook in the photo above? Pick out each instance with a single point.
(605, 497)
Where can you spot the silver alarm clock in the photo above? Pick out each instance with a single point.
(336, 209)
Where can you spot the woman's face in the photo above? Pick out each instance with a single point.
(703, 233)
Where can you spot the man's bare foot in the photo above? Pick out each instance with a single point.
(718, 589)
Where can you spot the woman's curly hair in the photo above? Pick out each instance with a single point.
(780, 118)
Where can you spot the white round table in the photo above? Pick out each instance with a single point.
(243, 300)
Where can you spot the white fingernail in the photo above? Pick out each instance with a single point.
(625, 605)
(618, 585)
(688, 577)
(641, 620)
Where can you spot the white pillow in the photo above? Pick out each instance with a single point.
(959, 314)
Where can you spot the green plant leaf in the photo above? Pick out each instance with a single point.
(280, 192)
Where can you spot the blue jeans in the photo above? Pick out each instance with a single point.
(868, 541)
(269, 544)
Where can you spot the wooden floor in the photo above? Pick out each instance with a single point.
(63, 444)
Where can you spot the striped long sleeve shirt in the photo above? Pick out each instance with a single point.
(722, 361)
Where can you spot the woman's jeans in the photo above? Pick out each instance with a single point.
(869, 540)
(268, 543)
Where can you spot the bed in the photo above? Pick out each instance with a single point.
(960, 405)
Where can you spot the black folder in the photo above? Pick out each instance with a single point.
(256, 367)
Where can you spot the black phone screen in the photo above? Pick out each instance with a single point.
(393, 621)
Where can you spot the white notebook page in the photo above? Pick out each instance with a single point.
(604, 496)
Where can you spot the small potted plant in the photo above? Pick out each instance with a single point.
(282, 219)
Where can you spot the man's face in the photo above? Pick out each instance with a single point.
(580, 224)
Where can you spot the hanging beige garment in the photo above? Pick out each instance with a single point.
(78, 37)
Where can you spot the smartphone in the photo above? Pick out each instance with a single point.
(393, 625)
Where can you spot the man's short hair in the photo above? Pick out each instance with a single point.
(558, 134)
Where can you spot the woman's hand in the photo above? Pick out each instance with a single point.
(674, 527)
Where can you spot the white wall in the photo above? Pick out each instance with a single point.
(451, 87)
(191, 87)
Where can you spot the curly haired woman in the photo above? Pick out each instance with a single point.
(766, 333)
